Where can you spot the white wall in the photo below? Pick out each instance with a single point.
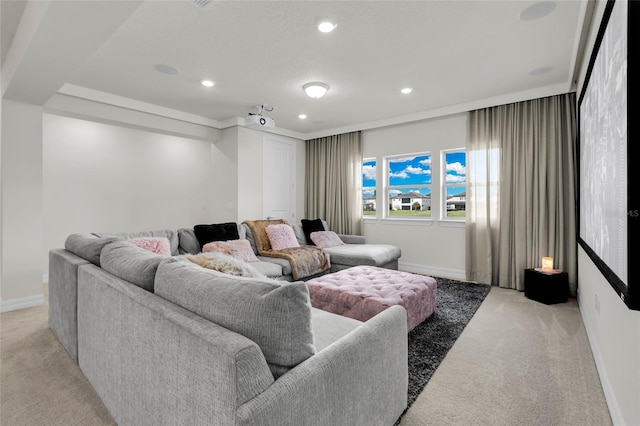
(224, 190)
(433, 248)
(101, 177)
(613, 329)
(21, 205)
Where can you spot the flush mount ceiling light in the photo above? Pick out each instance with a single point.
(207, 83)
(315, 89)
(326, 26)
(540, 71)
(406, 90)
(166, 69)
(302, 116)
(537, 10)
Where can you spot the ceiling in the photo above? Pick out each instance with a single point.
(456, 55)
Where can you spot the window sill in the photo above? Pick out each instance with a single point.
(451, 223)
(409, 222)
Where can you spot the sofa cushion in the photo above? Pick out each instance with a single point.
(268, 269)
(329, 327)
(131, 263)
(284, 264)
(240, 249)
(274, 315)
(188, 243)
(309, 226)
(88, 246)
(363, 254)
(216, 232)
(170, 234)
(326, 239)
(157, 245)
(281, 236)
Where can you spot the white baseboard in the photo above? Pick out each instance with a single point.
(455, 274)
(21, 303)
(609, 396)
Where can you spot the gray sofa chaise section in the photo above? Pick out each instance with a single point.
(355, 251)
(163, 341)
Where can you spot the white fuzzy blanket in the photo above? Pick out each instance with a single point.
(224, 263)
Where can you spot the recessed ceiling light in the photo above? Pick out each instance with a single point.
(537, 10)
(207, 83)
(326, 26)
(315, 89)
(406, 90)
(166, 69)
(540, 71)
(302, 116)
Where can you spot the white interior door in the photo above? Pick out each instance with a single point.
(278, 178)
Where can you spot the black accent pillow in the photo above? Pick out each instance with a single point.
(309, 226)
(216, 232)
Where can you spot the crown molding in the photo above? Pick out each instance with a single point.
(127, 103)
(120, 101)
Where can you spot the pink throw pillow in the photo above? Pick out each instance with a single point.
(157, 245)
(238, 249)
(281, 236)
(326, 239)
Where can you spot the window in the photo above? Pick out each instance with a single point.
(369, 187)
(454, 184)
(409, 186)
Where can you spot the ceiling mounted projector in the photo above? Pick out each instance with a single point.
(258, 119)
(255, 120)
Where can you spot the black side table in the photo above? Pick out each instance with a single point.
(546, 287)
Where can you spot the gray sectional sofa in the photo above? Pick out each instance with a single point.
(164, 341)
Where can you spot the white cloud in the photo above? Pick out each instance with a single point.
(426, 162)
(401, 175)
(416, 171)
(368, 192)
(455, 178)
(401, 159)
(369, 172)
(394, 192)
(456, 167)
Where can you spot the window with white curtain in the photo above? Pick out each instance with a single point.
(369, 186)
(454, 184)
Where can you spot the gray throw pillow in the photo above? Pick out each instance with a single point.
(274, 314)
(88, 246)
(131, 263)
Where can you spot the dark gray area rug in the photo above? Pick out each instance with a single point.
(429, 342)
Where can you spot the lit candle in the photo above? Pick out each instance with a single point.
(547, 263)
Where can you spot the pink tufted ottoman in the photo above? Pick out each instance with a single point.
(362, 292)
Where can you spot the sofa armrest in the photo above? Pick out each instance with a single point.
(63, 298)
(360, 379)
(352, 239)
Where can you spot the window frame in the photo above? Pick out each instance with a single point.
(387, 187)
(375, 189)
(444, 185)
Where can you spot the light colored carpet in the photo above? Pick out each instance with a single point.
(517, 362)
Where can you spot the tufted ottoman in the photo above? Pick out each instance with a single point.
(362, 292)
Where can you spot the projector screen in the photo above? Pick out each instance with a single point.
(606, 205)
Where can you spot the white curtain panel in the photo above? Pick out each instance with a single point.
(521, 202)
(333, 181)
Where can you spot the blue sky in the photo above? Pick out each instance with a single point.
(416, 170)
